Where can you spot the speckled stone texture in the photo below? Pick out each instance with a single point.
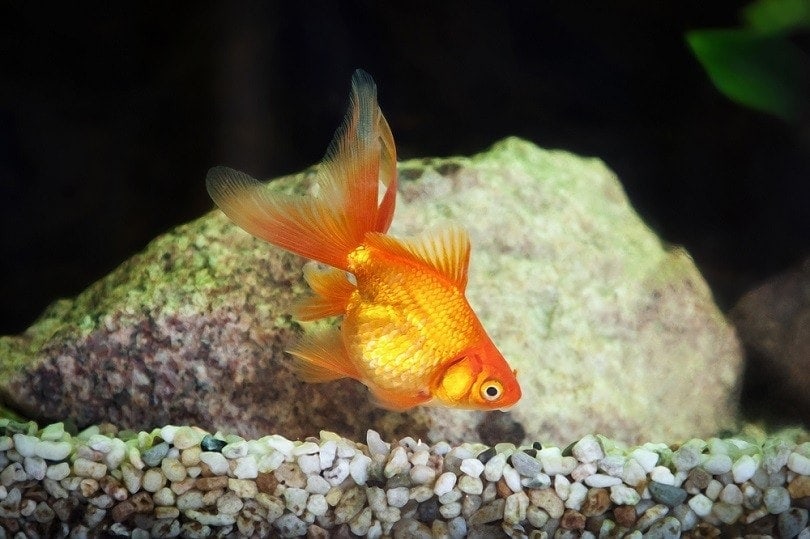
(609, 331)
(774, 324)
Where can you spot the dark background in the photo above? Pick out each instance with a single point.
(111, 115)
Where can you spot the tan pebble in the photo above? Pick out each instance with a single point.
(799, 487)
(122, 511)
(316, 532)
(87, 468)
(548, 500)
(164, 496)
(243, 488)
(153, 480)
(625, 515)
(210, 497)
(291, 475)
(173, 469)
(191, 456)
(333, 496)
(229, 504)
(596, 502)
(179, 487)
(211, 483)
(572, 520)
(87, 487)
(162, 511)
(131, 476)
(351, 502)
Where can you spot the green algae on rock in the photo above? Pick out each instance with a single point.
(609, 331)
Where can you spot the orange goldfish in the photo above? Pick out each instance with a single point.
(408, 332)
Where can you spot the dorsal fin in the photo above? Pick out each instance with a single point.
(445, 250)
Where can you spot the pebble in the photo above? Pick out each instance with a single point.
(547, 500)
(793, 522)
(215, 461)
(493, 469)
(52, 450)
(246, 467)
(471, 485)
(651, 515)
(155, 454)
(701, 505)
(525, 464)
(376, 445)
(588, 449)
(776, 500)
(88, 468)
(512, 478)
(209, 443)
(445, 483)
(397, 463)
(472, 467)
(358, 468)
(796, 463)
(727, 513)
(599, 480)
(717, 464)
(743, 468)
(624, 495)
(646, 458)
(667, 494)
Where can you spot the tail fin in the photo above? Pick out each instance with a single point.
(329, 226)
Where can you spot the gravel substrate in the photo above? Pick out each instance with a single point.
(184, 482)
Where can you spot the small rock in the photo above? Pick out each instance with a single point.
(596, 502)
(624, 495)
(488, 513)
(155, 454)
(666, 528)
(289, 525)
(743, 469)
(295, 499)
(351, 502)
(727, 513)
(316, 504)
(645, 457)
(717, 464)
(88, 468)
(52, 450)
(470, 485)
(625, 516)
(246, 467)
(398, 497)
(445, 483)
(153, 480)
(547, 500)
(667, 494)
(397, 462)
(209, 443)
(701, 505)
(599, 480)
(777, 500)
(796, 463)
(215, 461)
(472, 467)
(588, 449)
(358, 468)
(697, 480)
(799, 487)
(524, 464)
(792, 522)
(572, 520)
(493, 469)
(376, 445)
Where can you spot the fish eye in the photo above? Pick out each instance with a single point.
(491, 390)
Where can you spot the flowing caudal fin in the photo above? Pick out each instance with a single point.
(328, 226)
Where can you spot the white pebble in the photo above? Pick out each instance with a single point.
(744, 469)
(701, 505)
(624, 495)
(215, 461)
(713, 489)
(316, 504)
(717, 464)
(235, 450)
(57, 472)
(600, 480)
(326, 455)
(444, 483)
(295, 500)
(588, 449)
(153, 480)
(100, 443)
(731, 494)
(167, 433)
(306, 448)
(422, 475)
(376, 445)
(777, 500)
(52, 450)
(35, 467)
(645, 457)
(472, 467)
(337, 473)
(358, 468)
(26, 445)
(662, 474)
(583, 470)
(562, 486)
(420, 457)
(633, 473)
(164, 496)
(576, 496)
(398, 496)
(317, 484)
(310, 464)
(796, 463)
(512, 478)
(246, 468)
(397, 463)
(493, 469)
(613, 465)
(280, 444)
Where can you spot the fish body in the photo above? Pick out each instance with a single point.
(408, 332)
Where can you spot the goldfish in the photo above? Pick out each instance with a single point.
(408, 332)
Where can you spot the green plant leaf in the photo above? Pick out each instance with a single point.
(777, 16)
(761, 71)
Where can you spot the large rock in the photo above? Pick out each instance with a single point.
(609, 331)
